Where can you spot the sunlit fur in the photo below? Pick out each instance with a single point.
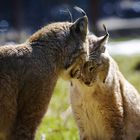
(105, 105)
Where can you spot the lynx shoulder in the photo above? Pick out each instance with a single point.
(105, 105)
(28, 74)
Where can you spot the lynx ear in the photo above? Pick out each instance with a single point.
(102, 41)
(79, 28)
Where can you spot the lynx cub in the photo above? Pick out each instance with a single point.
(105, 105)
(28, 74)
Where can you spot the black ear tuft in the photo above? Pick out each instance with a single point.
(80, 10)
(71, 18)
(79, 28)
(105, 29)
(102, 41)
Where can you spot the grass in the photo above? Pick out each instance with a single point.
(55, 127)
(127, 66)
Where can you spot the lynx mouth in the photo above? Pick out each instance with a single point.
(88, 83)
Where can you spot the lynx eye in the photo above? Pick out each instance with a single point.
(75, 73)
(91, 68)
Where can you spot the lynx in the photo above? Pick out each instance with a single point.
(105, 105)
(29, 71)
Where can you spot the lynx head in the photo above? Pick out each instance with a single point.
(67, 38)
(77, 44)
(96, 66)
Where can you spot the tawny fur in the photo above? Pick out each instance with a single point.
(105, 105)
(28, 74)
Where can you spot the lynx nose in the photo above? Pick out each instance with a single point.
(87, 83)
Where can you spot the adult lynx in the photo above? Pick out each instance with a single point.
(105, 105)
(28, 74)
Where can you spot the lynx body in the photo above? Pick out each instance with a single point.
(105, 105)
(28, 74)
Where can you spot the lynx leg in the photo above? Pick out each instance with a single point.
(29, 117)
(8, 108)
